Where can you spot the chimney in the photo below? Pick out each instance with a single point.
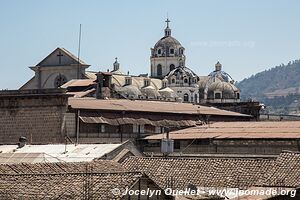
(22, 142)
(103, 85)
(99, 85)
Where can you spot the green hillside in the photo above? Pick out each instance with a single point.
(277, 87)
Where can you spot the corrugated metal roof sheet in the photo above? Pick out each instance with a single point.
(12, 158)
(78, 83)
(148, 106)
(54, 152)
(237, 130)
(139, 121)
(82, 94)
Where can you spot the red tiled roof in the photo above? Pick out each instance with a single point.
(67, 186)
(178, 173)
(285, 171)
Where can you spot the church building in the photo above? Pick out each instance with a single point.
(170, 79)
(56, 69)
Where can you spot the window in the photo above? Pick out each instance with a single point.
(135, 128)
(238, 95)
(181, 51)
(172, 66)
(142, 128)
(146, 82)
(176, 144)
(218, 95)
(185, 80)
(185, 97)
(171, 51)
(128, 81)
(157, 129)
(196, 98)
(159, 70)
(59, 81)
(138, 128)
(159, 51)
(173, 80)
(164, 84)
(102, 128)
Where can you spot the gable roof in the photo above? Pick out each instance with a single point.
(94, 180)
(65, 51)
(178, 173)
(285, 171)
(67, 186)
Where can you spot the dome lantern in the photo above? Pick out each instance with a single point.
(167, 29)
(116, 65)
(218, 66)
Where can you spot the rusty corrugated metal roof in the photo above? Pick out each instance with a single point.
(237, 130)
(139, 121)
(82, 93)
(78, 83)
(148, 106)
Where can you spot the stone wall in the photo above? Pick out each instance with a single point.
(35, 114)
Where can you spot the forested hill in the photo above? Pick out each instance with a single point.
(272, 81)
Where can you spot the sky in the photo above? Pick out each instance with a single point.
(245, 36)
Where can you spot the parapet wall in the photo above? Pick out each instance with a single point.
(37, 115)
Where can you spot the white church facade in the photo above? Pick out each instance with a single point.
(170, 79)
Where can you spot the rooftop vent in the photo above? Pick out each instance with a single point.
(22, 142)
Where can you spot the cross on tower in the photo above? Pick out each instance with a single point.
(59, 57)
(167, 22)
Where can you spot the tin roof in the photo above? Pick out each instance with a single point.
(82, 93)
(138, 121)
(149, 106)
(78, 83)
(237, 130)
(54, 152)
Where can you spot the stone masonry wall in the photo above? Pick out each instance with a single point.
(38, 117)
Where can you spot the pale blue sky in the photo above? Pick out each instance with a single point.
(245, 36)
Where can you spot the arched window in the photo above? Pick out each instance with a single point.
(172, 66)
(196, 98)
(185, 97)
(159, 70)
(173, 80)
(164, 83)
(181, 50)
(185, 80)
(237, 95)
(159, 51)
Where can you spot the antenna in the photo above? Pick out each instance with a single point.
(78, 56)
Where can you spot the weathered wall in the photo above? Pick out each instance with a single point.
(235, 146)
(36, 114)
